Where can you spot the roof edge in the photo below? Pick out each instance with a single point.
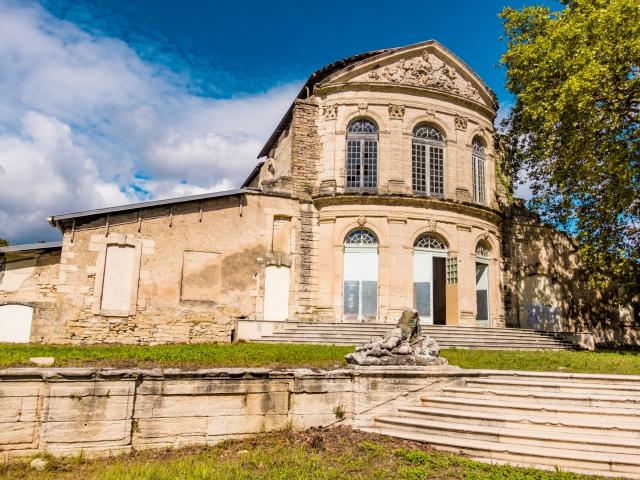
(31, 247)
(54, 220)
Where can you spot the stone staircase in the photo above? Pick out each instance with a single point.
(446, 336)
(581, 423)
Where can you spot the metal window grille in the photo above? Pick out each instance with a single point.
(436, 171)
(362, 155)
(428, 160)
(419, 155)
(429, 241)
(361, 237)
(452, 270)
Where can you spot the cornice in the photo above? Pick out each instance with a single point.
(431, 203)
(428, 92)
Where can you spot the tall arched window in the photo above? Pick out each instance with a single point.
(477, 165)
(362, 155)
(427, 156)
(360, 276)
(429, 279)
(483, 251)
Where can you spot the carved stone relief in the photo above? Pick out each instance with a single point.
(330, 112)
(396, 111)
(426, 71)
(460, 122)
(430, 225)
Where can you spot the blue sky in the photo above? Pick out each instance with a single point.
(110, 102)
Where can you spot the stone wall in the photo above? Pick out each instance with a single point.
(103, 412)
(31, 278)
(546, 287)
(197, 267)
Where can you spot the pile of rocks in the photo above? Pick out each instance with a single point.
(405, 345)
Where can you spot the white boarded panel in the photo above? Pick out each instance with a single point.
(200, 276)
(118, 282)
(15, 323)
(361, 263)
(276, 293)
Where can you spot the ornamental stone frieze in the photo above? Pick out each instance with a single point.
(330, 112)
(460, 122)
(396, 111)
(426, 70)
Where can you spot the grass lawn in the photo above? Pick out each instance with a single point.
(314, 356)
(179, 355)
(331, 454)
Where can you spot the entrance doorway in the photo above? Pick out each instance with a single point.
(429, 279)
(482, 284)
(360, 290)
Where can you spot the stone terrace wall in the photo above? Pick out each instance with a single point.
(102, 412)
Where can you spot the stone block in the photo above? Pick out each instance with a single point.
(115, 432)
(82, 409)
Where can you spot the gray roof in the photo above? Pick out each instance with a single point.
(31, 246)
(55, 219)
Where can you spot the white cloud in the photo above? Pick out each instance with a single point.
(85, 123)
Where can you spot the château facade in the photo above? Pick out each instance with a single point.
(377, 191)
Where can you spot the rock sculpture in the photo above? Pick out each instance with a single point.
(404, 345)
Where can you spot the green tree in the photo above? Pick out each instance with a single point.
(574, 130)
(4, 243)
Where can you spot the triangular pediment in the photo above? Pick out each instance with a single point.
(428, 65)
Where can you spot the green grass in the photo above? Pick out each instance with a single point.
(329, 454)
(313, 356)
(179, 355)
(619, 362)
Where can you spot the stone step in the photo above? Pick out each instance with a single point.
(522, 435)
(451, 340)
(563, 410)
(388, 326)
(444, 343)
(587, 461)
(559, 386)
(544, 397)
(592, 425)
(436, 335)
(578, 378)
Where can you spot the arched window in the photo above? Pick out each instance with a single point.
(361, 237)
(483, 250)
(360, 290)
(427, 156)
(429, 279)
(362, 155)
(477, 165)
(430, 242)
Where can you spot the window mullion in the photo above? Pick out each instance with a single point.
(362, 146)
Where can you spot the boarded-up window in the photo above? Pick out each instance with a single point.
(276, 293)
(200, 276)
(281, 235)
(119, 282)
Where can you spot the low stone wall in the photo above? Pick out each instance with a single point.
(68, 411)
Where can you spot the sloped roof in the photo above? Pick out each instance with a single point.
(26, 247)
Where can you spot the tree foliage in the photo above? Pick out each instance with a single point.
(4, 243)
(574, 130)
